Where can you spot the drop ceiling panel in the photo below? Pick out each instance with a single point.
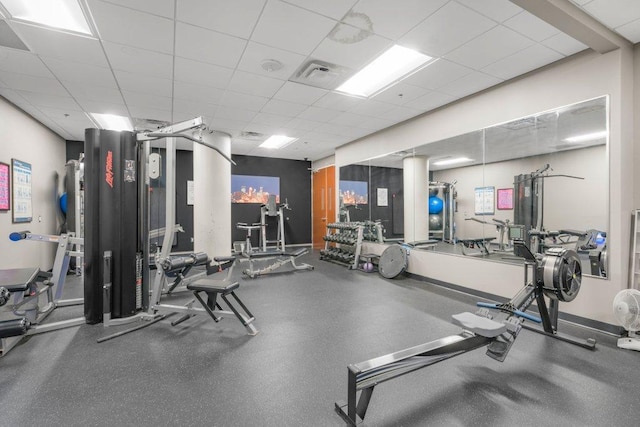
(495, 44)
(45, 85)
(531, 26)
(338, 101)
(16, 61)
(402, 113)
(58, 114)
(196, 92)
(136, 60)
(90, 92)
(133, 28)
(291, 28)
(45, 100)
(521, 62)
(254, 84)
(146, 100)
(255, 53)
(156, 7)
(614, 14)
(150, 113)
(194, 108)
(236, 114)
(144, 84)
(60, 45)
(208, 46)
(243, 100)
(630, 31)
(270, 119)
(447, 29)
(372, 108)
(237, 17)
(374, 124)
(469, 84)
(437, 74)
(347, 53)
(430, 101)
(335, 9)
(303, 124)
(400, 93)
(319, 114)
(228, 124)
(188, 70)
(80, 73)
(101, 107)
(391, 19)
(285, 108)
(349, 119)
(299, 93)
(564, 44)
(498, 10)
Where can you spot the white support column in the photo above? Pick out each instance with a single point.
(416, 198)
(212, 196)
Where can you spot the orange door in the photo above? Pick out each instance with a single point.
(324, 209)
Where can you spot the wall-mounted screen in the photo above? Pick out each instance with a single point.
(5, 187)
(254, 189)
(354, 192)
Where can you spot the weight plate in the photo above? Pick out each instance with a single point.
(393, 262)
(561, 274)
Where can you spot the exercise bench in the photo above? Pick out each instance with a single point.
(279, 258)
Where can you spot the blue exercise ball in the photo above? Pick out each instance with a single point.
(435, 205)
(63, 203)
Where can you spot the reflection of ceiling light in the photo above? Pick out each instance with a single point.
(387, 69)
(277, 141)
(587, 137)
(62, 14)
(112, 122)
(452, 161)
(271, 65)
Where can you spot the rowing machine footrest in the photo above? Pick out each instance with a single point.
(479, 325)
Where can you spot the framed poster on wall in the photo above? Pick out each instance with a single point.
(354, 192)
(5, 187)
(505, 198)
(254, 189)
(21, 192)
(484, 200)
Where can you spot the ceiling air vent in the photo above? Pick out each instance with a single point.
(10, 39)
(252, 136)
(321, 74)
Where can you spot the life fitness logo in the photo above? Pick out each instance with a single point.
(109, 169)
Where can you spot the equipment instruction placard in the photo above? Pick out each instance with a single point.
(484, 200)
(5, 180)
(21, 182)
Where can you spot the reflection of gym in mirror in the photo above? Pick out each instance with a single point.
(541, 179)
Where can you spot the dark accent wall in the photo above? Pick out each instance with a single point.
(74, 148)
(295, 186)
(392, 215)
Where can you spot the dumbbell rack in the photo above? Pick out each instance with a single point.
(342, 243)
(372, 232)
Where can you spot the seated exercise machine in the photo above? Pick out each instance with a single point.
(36, 294)
(556, 275)
(201, 287)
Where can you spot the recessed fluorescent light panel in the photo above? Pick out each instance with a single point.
(452, 161)
(62, 14)
(587, 137)
(277, 141)
(112, 122)
(386, 70)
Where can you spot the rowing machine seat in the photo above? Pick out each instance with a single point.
(479, 325)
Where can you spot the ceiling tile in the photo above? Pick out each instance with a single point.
(236, 17)
(208, 46)
(45, 100)
(391, 19)
(448, 28)
(430, 101)
(495, 44)
(522, 62)
(285, 108)
(236, 114)
(58, 114)
(630, 31)
(303, 124)
(264, 129)
(17, 61)
(104, 107)
(564, 44)
(255, 53)
(80, 73)
(150, 113)
(254, 84)
(271, 119)
(338, 101)
(145, 100)
(57, 44)
(44, 85)
(335, 9)
(136, 60)
(614, 14)
(89, 92)
(402, 113)
(437, 74)
(531, 26)
(349, 119)
(352, 55)
(221, 124)
(144, 84)
(291, 28)
(469, 84)
(319, 114)
(156, 7)
(371, 107)
(299, 93)
(131, 27)
(375, 123)
(498, 10)
(194, 108)
(243, 101)
(188, 70)
(400, 93)
(196, 92)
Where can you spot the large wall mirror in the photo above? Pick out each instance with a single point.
(543, 179)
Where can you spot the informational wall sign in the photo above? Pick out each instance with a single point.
(21, 182)
(383, 197)
(5, 187)
(190, 193)
(484, 200)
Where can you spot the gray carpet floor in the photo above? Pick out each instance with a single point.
(312, 325)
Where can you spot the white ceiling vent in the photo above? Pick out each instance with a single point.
(321, 74)
(252, 136)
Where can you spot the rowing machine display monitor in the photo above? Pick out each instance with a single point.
(516, 232)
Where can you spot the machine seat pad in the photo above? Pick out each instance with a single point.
(479, 325)
(211, 285)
